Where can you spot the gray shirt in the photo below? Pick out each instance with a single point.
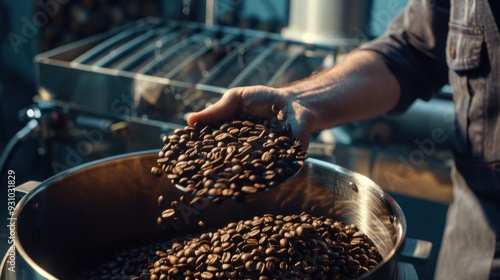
(414, 49)
(432, 43)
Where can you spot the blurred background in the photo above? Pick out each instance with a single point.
(79, 83)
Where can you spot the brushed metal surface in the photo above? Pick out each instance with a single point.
(67, 218)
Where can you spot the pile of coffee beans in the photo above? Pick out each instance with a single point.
(229, 159)
(298, 246)
(122, 261)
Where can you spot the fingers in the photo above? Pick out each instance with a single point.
(253, 100)
(257, 101)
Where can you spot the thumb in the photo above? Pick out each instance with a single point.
(301, 122)
(303, 134)
(223, 109)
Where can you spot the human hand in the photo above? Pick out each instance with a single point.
(257, 101)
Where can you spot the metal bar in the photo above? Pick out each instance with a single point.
(289, 61)
(129, 61)
(217, 69)
(171, 51)
(254, 64)
(197, 54)
(126, 48)
(206, 87)
(87, 56)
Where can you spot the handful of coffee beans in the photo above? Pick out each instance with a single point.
(230, 159)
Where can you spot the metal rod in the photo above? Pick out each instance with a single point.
(95, 51)
(126, 48)
(253, 65)
(149, 48)
(196, 55)
(288, 62)
(217, 69)
(170, 52)
(210, 88)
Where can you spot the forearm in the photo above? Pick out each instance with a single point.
(358, 87)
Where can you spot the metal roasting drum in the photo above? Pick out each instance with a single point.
(63, 222)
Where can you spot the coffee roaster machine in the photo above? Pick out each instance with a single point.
(122, 90)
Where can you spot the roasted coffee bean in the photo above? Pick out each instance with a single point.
(249, 189)
(161, 201)
(156, 171)
(250, 266)
(282, 115)
(168, 213)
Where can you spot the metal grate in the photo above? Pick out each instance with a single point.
(162, 70)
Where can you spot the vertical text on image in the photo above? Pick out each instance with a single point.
(11, 220)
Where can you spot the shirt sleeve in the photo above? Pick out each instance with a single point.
(414, 48)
